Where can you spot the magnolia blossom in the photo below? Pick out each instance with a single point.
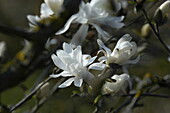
(74, 64)
(49, 8)
(115, 86)
(92, 14)
(121, 54)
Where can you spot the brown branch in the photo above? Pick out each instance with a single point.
(29, 96)
(17, 72)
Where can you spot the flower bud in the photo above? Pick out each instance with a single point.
(145, 30)
(165, 7)
(160, 16)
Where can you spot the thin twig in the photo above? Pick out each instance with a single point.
(42, 102)
(29, 96)
(155, 31)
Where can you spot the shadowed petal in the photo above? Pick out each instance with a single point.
(87, 61)
(133, 61)
(80, 35)
(101, 44)
(67, 25)
(32, 19)
(67, 47)
(45, 11)
(77, 54)
(78, 81)
(66, 74)
(97, 66)
(125, 37)
(67, 83)
(101, 32)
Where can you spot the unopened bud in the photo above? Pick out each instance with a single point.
(165, 7)
(145, 30)
(160, 16)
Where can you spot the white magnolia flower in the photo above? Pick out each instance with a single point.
(74, 64)
(115, 86)
(49, 8)
(92, 14)
(2, 48)
(55, 5)
(121, 54)
(45, 12)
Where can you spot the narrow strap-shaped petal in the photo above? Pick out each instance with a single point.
(80, 35)
(67, 83)
(86, 62)
(101, 44)
(32, 19)
(45, 11)
(125, 37)
(77, 54)
(67, 25)
(102, 59)
(64, 57)
(97, 66)
(67, 47)
(58, 62)
(78, 81)
(132, 61)
(101, 32)
(66, 74)
(55, 75)
(114, 22)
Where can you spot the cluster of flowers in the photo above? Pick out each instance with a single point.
(76, 65)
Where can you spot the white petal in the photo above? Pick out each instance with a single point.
(67, 47)
(77, 54)
(101, 32)
(55, 75)
(133, 61)
(64, 57)
(97, 66)
(55, 5)
(67, 83)
(80, 35)
(102, 59)
(58, 62)
(101, 44)
(125, 37)
(134, 48)
(67, 25)
(114, 22)
(45, 11)
(78, 82)
(66, 74)
(32, 19)
(86, 62)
